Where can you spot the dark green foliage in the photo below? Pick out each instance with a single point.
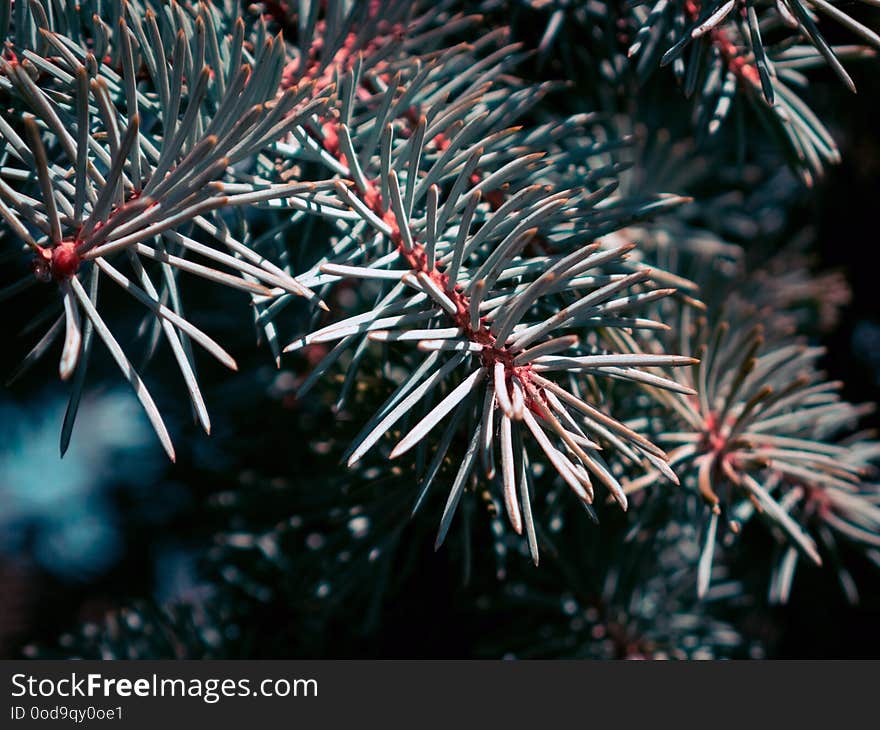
(511, 287)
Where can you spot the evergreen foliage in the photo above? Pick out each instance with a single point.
(510, 279)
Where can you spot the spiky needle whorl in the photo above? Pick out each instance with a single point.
(760, 436)
(452, 217)
(102, 160)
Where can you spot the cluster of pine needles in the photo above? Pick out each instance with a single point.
(514, 301)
